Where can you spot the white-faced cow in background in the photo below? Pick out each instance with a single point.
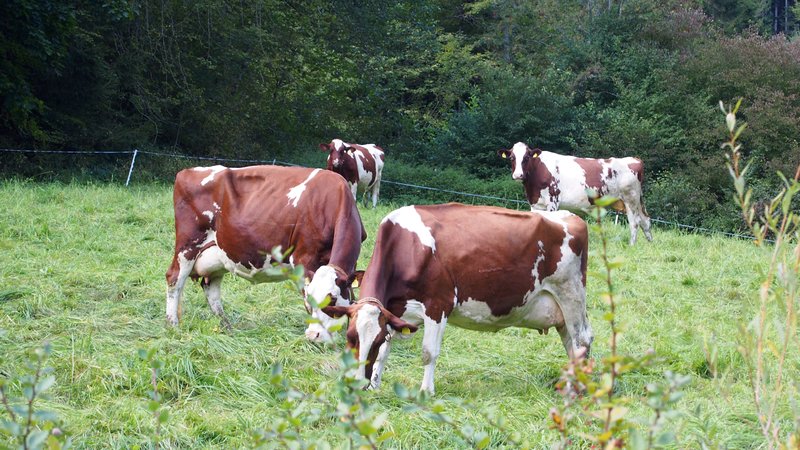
(230, 219)
(477, 267)
(554, 181)
(360, 165)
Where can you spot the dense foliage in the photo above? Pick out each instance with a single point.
(442, 83)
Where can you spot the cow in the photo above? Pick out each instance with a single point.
(360, 165)
(230, 219)
(554, 181)
(477, 267)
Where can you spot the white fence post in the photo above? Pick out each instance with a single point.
(133, 161)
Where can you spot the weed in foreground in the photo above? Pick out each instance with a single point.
(29, 427)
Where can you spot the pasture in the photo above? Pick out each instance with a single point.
(83, 267)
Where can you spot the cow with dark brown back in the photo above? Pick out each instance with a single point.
(228, 220)
(554, 181)
(477, 267)
(360, 165)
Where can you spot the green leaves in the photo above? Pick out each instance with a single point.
(32, 428)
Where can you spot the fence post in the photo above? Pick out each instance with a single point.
(133, 161)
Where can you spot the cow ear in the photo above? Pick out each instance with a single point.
(400, 324)
(325, 147)
(355, 281)
(535, 152)
(503, 153)
(336, 311)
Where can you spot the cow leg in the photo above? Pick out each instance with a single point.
(431, 345)
(576, 333)
(644, 222)
(380, 364)
(376, 189)
(633, 223)
(354, 189)
(213, 289)
(178, 272)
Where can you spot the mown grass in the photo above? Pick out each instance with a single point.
(83, 267)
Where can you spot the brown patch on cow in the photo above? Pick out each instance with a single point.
(550, 250)
(347, 167)
(637, 167)
(538, 177)
(593, 170)
(579, 244)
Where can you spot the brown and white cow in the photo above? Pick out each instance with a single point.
(477, 267)
(554, 181)
(360, 165)
(230, 219)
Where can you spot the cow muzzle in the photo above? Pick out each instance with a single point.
(317, 333)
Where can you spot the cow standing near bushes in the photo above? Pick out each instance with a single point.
(554, 181)
(230, 219)
(360, 165)
(477, 267)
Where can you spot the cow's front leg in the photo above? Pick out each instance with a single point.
(380, 362)
(431, 345)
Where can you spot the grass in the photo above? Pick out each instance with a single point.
(83, 267)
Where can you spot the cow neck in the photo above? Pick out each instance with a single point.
(370, 300)
(339, 271)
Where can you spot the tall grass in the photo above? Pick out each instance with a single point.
(83, 267)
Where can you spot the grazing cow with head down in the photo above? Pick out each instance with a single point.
(360, 165)
(477, 267)
(230, 219)
(554, 181)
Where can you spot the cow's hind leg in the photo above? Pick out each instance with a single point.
(633, 224)
(178, 272)
(376, 189)
(576, 332)
(431, 346)
(212, 286)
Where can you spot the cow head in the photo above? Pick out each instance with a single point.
(337, 153)
(328, 281)
(523, 159)
(370, 328)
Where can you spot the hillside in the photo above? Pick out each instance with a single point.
(83, 267)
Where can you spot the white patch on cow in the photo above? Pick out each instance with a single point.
(472, 312)
(214, 260)
(518, 150)
(217, 207)
(295, 192)
(364, 177)
(209, 214)
(214, 170)
(338, 144)
(368, 327)
(211, 236)
(322, 285)
(407, 217)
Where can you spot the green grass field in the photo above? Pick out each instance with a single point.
(83, 266)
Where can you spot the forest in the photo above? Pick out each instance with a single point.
(440, 84)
